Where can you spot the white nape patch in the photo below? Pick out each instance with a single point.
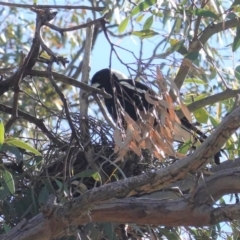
(96, 85)
(119, 75)
(132, 87)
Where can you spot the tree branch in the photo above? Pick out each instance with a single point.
(83, 25)
(38, 122)
(197, 44)
(68, 80)
(167, 212)
(97, 9)
(228, 93)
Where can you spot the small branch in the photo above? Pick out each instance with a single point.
(228, 93)
(84, 25)
(84, 103)
(18, 76)
(85, 72)
(38, 122)
(197, 44)
(104, 112)
(97, 9)
(64, 101)
(68, 80)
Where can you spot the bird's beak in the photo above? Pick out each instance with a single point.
(96, 85)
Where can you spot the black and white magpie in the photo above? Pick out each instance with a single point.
(130, 95)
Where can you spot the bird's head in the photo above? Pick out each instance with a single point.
(105, 78)
(101, 79)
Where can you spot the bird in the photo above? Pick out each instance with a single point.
(130, 95)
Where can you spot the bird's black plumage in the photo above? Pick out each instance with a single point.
(131, 96)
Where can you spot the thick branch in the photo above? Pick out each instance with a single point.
(187, 211)
(164, 177)
(175, 190)
(217, 185)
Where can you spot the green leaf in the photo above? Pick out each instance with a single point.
(19, 143)
(148, 23)
(43, 195)
(238, 147)
(58, 183)
(142, 6)
(108, 229)
(145, 33)
(96, 176)
(201, 115)
(175, 46)
(182, 50)
(236, 41)
(235, 3)
(13, 150)
(122, 26)
(195, 81)
(214, 121)
(237, 72)
(201, 96)
(4, 192)
(139, 18)
(192, 56)
(6, 227)
(205, 13)
(2, 133)
(86, 173)
(185, 147)
(8, 179)
(157, 13)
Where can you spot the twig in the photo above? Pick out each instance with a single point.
(228, 93)
(97, 9)
(84, 25)
(62, 97)
(70, 81)
(104, 112)
(84, 103)
(38, 122)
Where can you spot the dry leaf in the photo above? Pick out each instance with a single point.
(129, 120)
(121, 154)
(149, 98)
(135, 148)
(161, 80)
(185, 110)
